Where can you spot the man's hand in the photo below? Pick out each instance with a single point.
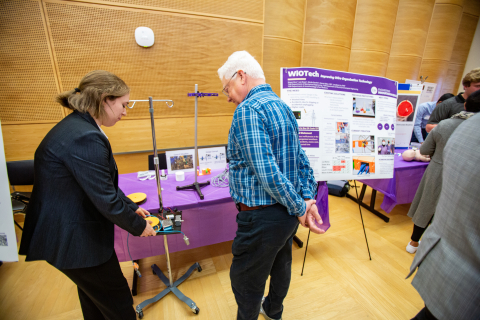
(148, 230)
(142, 212)
(308, 219)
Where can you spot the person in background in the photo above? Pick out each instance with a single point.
(76, 201)
(448, 261)
(272, 184)
(392, 147)
(383, 149)
(425, 201)
(389, 148)
(421, 118)
(471, 83)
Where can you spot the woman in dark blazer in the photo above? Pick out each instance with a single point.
(76, 201)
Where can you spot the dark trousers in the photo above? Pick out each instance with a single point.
(262, 248)
(103, 291)
(424, 314)
(424, 135)
(418, 231)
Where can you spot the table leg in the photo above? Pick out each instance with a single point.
(370, 207)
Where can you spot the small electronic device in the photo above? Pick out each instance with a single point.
(178, 220)
(144, 37)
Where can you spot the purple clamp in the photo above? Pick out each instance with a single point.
(201, 94)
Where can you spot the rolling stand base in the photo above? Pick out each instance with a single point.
(189, 302)
(196, 187)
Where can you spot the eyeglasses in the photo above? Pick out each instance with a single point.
(224, 91)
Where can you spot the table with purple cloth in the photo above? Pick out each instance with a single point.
(206, 222)
(402, 187)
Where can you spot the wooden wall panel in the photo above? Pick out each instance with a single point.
(472, 7)
(328, 34)
(188, 50)
(21, 141)
(440, 42)
(436, 70)
(27, 77)
(403, 67)
(326, 56)
(249, 9)
(283, 35)
(288, 56)
(372, 36)
(368, 62)
(284, 19)
(461, 48)
(409, 39)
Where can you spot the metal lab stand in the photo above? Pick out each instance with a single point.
(171, 286)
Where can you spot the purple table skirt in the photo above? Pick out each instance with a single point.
(207, 222)
(402, 187)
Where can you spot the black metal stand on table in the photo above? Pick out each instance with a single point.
(196, 186)
(363, 226)
(370, 207)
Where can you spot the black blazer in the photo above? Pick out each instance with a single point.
(75, 200)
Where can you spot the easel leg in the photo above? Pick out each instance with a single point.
(361, 216)
(306, 248)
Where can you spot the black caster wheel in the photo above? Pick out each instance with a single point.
(199, 269)
(196, 310)
(153, 271)
(140, 315)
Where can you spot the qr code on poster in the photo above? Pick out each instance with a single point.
(3, 240)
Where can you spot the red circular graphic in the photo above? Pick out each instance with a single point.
(405, 108)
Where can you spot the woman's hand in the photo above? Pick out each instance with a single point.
(148, 230)
(142, 212)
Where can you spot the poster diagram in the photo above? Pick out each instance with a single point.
(340, 116)
(407, 102)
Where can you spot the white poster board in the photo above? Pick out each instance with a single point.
(407, 102)
(213, 158)
(342, 118)
(8, 239)
(428, 90)
(180, 160)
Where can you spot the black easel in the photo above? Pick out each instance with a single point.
(363, 226)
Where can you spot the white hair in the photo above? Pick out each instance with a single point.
(241, 60)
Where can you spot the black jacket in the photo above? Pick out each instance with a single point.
(76, 201)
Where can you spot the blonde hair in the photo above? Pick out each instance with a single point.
(472, 76)
(95, 87)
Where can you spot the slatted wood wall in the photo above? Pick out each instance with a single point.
(48, 45)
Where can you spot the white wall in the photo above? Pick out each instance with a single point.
(473, 60)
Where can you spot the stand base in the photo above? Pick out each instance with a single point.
(196, 187)
(370, 207)
(189, 302)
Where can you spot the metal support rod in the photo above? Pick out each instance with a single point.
(167, 255)
(155, 157)
(196, 113)
(306, 248)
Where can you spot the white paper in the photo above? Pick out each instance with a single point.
(342, 118)
(213, 158)
(180, 160)
(8, 239)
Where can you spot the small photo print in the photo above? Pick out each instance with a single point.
(406, 107)
(364, 165)
(385, 145)
(363, 144)
(3, 240)
(363, 107)
(342, 138)
(181, 162)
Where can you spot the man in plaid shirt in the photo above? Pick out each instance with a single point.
(271, 183)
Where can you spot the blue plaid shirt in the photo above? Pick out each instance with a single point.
(267, 163)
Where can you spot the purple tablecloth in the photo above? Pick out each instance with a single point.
(206, 222)
(404, 184)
